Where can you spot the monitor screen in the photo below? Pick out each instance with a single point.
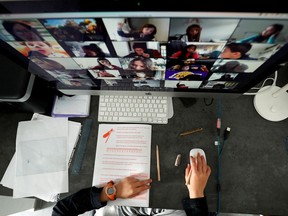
(179, 54)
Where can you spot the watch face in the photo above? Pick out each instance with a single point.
(110, 190)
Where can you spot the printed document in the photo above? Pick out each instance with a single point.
(123, 150)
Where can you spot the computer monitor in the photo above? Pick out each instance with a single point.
(139, 52)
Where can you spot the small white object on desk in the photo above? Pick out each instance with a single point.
(178, 160)
(195, 151)
(74, 106)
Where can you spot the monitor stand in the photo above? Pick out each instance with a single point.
(170, 107)
(271, 102)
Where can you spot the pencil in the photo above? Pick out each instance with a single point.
(191, 131)
(158, 163)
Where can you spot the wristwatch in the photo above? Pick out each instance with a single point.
(111, 190)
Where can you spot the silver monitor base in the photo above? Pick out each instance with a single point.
(170, 107)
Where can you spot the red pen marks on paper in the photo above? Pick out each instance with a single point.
(107, 135)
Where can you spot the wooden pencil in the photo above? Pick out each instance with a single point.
(191, 131)
(158, 163)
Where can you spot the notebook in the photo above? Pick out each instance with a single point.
(74, 106)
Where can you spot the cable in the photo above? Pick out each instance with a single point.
(208, 104)
(218, 126)
(270, 78)
(226, 133)
(220, 148)
(225, 137)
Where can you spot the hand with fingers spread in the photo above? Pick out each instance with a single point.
(126, 188)
(196, 176)
(130, 187)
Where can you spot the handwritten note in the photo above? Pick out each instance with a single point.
(123, 150)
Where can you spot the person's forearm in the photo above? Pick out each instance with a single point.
(195, 207)
(176, 55)
(123, 34)
(78, 203)
(271, 39)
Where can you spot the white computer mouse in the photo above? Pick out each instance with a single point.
(195, 151)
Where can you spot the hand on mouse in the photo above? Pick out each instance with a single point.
(196, 176)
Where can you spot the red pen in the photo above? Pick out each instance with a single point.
(107, 134)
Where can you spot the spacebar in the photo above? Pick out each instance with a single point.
(129, 119)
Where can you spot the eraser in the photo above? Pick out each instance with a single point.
(178, 160)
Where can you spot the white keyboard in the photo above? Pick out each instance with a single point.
(133, 109)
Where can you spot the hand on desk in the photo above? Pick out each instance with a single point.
(196, 176)
(127, 188)
(130, 187)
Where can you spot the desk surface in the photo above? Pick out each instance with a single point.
(253, 164)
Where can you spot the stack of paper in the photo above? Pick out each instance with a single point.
(39, 167)
(123, 150)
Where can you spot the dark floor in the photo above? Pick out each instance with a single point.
(254, 161)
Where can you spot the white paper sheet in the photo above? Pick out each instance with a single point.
(41, 157)
(123, 150)
(74, 129)
(10, 206)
